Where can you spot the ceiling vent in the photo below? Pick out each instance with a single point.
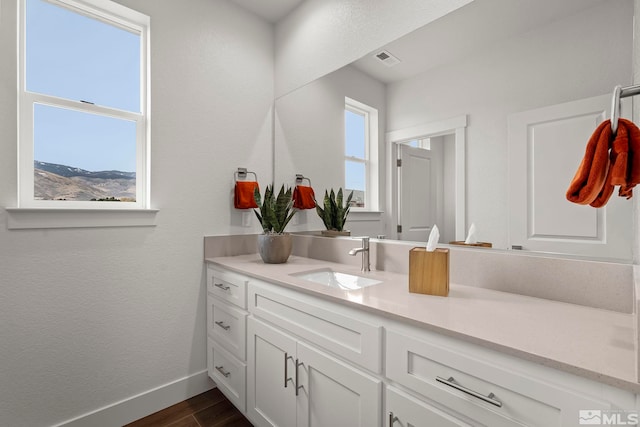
(387, 58)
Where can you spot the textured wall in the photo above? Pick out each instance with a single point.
(90, 317)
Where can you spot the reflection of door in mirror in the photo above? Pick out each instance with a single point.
(547, 145)
(425, 188)
(434, 153)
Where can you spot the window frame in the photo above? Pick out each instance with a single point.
(370, 159)
(113, 14)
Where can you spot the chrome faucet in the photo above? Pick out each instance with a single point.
(365, 254)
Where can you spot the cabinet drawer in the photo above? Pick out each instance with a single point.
(404, 410)
(319, 322)
(227, 286)
(479, 389)
(228, 373)
(227, 325)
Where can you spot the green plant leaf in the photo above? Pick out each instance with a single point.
(334, 213)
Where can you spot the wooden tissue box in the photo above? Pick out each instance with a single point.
(429, 271)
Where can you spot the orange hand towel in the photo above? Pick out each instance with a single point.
(619, 165)
(304, 197)
(243, 195)
(591, 174)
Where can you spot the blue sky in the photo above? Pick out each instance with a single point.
(75, 57)
(354, 146)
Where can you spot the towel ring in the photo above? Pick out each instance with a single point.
(300, 178)
(615, 108)
(242, 173)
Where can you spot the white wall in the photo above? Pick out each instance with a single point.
(310, 138)
(91, 317)
(577, 57)
(310, 42)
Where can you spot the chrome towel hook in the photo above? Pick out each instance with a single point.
(620, 92)
(242, 173)
(300, 178)
(615, 108)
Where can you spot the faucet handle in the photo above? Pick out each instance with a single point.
(365, 241)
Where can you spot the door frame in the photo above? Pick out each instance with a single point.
(453, 126)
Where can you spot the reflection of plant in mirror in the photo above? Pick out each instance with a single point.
(275, 212)
(334, 214)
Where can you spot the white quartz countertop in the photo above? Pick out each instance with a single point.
(593, 343)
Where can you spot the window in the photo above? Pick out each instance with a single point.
(361, 130)
(83, 105)
(424, 143)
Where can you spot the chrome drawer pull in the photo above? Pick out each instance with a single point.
(222, 325)
(491, 398)
(221, 286)
(222, 371)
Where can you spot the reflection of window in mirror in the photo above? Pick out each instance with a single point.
(424, 143)
(359, 120)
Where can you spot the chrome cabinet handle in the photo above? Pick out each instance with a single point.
(286, 375)
(392, 419)
(222, 325)
(297, 386)
(222, 371)
(491, 398)
(221, 286)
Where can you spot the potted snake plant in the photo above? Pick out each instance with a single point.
(274, 213)
(333, 213)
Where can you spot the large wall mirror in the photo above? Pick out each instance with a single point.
(479, 104)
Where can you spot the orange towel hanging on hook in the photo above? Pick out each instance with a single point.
(243, 195)
(608, 161)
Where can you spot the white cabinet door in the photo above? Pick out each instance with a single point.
(335, 394)
(269, 402)
(406, 411)
(329, 392)
(546, 146)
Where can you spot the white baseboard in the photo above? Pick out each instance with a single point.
(143, 404)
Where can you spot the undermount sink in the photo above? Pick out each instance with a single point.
(335, 279)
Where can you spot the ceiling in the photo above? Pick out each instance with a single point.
(271, 10)
(465, 31)
(460, 33)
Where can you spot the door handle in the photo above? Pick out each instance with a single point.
(392, 419)
(286, 365)
(298, 387)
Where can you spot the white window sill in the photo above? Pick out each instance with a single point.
(362, 215)
(34, 218)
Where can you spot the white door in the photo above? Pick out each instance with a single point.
(419, 180)
(269, 402)
(546, 145)
(336, 394)
(407, 411)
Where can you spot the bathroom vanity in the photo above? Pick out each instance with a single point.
(289, 351)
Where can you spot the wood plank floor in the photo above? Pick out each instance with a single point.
(209, 409)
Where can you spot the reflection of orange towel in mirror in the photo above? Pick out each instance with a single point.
(243, 196)
(304, 197)
(607, 162)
